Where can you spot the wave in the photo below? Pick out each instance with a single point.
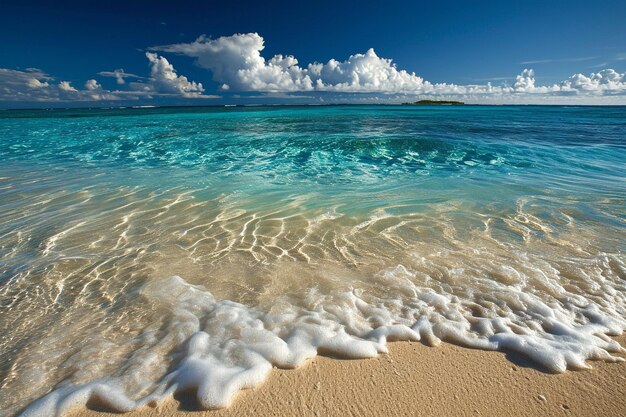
(216, 348)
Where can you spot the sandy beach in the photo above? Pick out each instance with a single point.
(342, 209)
(145, 250)
(414, 379)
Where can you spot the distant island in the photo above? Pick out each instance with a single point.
(434, 102)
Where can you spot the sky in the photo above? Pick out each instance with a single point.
(117, 53)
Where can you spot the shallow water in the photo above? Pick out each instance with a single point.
(145, 251)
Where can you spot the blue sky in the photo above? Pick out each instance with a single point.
(456, 43)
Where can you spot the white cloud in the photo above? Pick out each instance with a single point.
(364, 73)
(18, 85)
(66, 86)
(525, 81)
(94, 91)
(35, 85)
(607, 80)
(237, 65)
(164, 79)
(92, 85)
(119, 75)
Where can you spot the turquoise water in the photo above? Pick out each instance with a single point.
(319, 229)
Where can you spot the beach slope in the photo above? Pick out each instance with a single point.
(414, 379)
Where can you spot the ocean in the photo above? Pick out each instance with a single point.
(150, 251)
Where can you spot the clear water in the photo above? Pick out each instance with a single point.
(145, 251)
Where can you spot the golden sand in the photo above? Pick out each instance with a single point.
(416, 380)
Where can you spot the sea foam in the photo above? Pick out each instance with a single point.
(298, 232)
(224, 347)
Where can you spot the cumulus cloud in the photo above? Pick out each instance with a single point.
(35, 85)
(364, 73)
(236, 64)
(66, 86)
(525, 81)
(607, 80)
(92, 85)
(20, 85)
(164, 79)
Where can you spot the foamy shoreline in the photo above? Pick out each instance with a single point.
(141, 257)
(414, 379)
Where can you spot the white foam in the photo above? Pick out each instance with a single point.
(221, 347)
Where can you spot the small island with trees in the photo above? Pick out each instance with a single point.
(434, 103)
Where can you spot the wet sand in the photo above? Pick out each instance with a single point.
(413, 380)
